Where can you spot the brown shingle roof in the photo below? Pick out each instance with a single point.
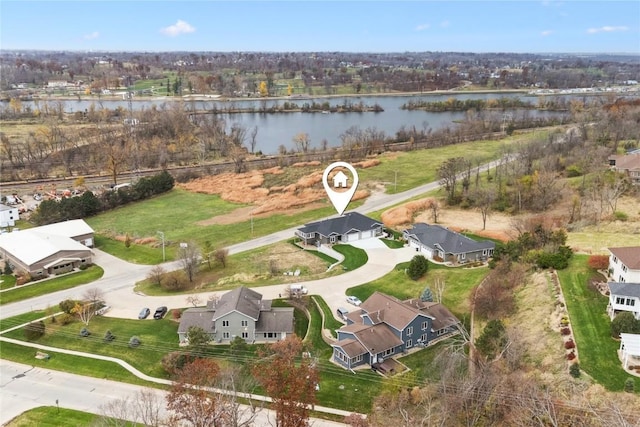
(385, 308)
(442, 317)
(630, 256)
(378, 338)
(351, 347)
(626, 161)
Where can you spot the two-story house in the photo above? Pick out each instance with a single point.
(242, 313)
(624, 264)
(384, 327)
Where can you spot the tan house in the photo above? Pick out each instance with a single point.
(50, 249)
(627, 163)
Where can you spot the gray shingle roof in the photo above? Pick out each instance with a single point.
(279, 319)
(352, 221)
(243, 300)
(200, 317)
(625, 289)
(436, 236)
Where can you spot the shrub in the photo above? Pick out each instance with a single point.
(417, 267)
(34, 330)
(134, 342)
(624, 322)
(569, 345)
(174, 361)
(598, 262)
(108, 336)
(571, 355)
(67, 305)
(175, 281)
(564, 321)
(176, 314)
(66, 318)
(84, 332)
(574, 370)
(565, 331)
(620, 216)
(629, 385)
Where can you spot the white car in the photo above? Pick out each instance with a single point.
(354, 300)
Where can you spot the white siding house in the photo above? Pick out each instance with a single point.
(624, 264)
(624, 297)
(8, 215)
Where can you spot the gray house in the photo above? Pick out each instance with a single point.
(384, 327)
(349, 227)
(239, 313)
(439, 243)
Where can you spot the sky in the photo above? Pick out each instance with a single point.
(543, 26)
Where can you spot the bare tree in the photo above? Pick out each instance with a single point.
(233, 381)
(253, 139)
(189, 256)
(222, 256)
(93, 296)
(144, 407)
(302, 142)
(194, 300)
(484, 197)
(434, 206)
(156, 274)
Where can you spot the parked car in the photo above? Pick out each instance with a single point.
(160, 312)
(354, 300)
(144, 313)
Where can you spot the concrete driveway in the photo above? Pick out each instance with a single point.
(126, 303)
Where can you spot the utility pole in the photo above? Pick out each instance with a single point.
(163, 254)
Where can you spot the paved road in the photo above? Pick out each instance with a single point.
(24, 387)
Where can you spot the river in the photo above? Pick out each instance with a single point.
(275, 130)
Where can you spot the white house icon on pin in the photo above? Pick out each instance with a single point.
(340, 180)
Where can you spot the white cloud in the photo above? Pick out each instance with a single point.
(444, 24)
(422, 27)
(91, 36)
(180, 27)
(546, 33)
(606, 29)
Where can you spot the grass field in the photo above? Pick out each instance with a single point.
(51, 285)
(458, 284)
(52, 416)
(597, 350)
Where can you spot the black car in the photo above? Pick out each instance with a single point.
(144, 313)
(160, 312)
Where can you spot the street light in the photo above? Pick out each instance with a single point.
(162, 235)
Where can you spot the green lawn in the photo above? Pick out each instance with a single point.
(45, 416)
(591, 326)
(8, 281)
(459, 282)
(353, 257)
(52, 285)
(330, 321)
(21, 319)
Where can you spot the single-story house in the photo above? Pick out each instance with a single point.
(436, 242)
(624, 297)
(383, 327)
(628, 164)
(349, 227)
(239, 313)
(49, 249)
(8, 215)
(624, 264)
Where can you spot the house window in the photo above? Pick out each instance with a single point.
(424, 338)
(409, 343)
(615, 260)
(441, 331)
(269, 334)
(225, 323)
(624, 268)
(245, 323)
(619, 300)
(245, 335)
(358, 358)
(226, 335)
(332, 239)
(631, 302)
(425, 325)
(410, 331)
(484, 252)
(389, 351)
(463, 256)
